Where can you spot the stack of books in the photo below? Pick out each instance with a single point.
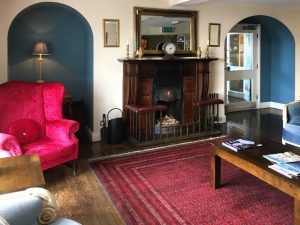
(286, 163)
(238, 144)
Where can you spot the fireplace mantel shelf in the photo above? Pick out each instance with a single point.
(158, 58)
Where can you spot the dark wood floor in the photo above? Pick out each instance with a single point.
(83, 198)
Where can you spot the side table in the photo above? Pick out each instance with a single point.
(20, 172)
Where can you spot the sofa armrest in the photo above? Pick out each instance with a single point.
(289, 110)
(63, 130)
(284, 115)
(23, 207)
(48, 212)
(9, 145)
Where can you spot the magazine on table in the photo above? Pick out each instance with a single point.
(286, 163)
(238, 144)
(281, 171)
(291, 169)
(284, 157)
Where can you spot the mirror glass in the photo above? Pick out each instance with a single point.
(214, 34)
(154, 27)
(111, 32)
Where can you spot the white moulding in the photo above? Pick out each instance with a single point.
(186, 2)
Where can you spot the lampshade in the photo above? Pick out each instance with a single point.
(40, 48)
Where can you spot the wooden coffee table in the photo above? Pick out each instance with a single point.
(20, 172)
(251, 161)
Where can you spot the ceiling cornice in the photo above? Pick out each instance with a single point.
(186, 2)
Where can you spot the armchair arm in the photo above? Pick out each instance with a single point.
(284, 115)
(29, 205)
(9, 145)
(63, 130)
(289, 110)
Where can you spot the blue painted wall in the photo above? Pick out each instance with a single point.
(70, 42)
(277, 60)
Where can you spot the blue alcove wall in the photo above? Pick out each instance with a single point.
(277, 60)
(70, 42)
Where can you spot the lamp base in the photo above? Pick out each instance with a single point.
(40, 81)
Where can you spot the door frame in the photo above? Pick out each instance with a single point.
(256, 95)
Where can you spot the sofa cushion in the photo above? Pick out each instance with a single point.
(295, 120)
(25, 130)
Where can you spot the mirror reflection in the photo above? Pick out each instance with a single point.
(239, 90)
(156, 30)
(154, 27)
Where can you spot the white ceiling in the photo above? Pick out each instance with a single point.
(269, 3)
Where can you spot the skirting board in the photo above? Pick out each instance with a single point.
(274, 105)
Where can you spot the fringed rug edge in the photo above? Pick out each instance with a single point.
(151, 149)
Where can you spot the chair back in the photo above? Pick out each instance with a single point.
(26, 100)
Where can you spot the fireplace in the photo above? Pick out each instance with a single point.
(167, 91)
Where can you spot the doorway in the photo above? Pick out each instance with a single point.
(242, 73)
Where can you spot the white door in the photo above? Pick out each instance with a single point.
(242, 73)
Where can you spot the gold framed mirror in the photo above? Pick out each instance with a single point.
(111, 30)
(154, 27)
(214, 34)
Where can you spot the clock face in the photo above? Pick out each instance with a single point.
(169, 48)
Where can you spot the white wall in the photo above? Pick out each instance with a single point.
(108, 71)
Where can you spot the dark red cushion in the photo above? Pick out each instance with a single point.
(25, 130)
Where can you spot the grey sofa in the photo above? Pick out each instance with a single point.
(34, 206)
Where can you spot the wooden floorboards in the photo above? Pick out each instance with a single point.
(83, 198)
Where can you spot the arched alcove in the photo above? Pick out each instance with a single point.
(277, 60)
(274, 82)
(70, 42)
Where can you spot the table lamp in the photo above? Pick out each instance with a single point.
(40, 48)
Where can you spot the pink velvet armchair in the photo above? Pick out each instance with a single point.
(31, 122)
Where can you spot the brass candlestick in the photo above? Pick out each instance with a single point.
(140, 53)
(199, 52)
(207, 52)
(127, 51)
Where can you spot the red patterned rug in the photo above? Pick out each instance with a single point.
(172, 186)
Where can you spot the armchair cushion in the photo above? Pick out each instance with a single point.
(295, 120)
(25, 130)
(51, 151)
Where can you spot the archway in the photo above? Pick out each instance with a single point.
(70, 42)
(277, 61)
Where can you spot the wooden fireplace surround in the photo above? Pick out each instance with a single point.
(138, 75)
